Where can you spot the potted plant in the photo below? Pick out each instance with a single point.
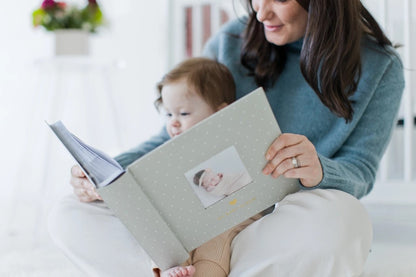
(70, 24)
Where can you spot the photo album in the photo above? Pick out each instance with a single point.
(196, 185)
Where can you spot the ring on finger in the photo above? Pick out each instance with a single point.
(295, 162)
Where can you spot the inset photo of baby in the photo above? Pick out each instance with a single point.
(218, 177)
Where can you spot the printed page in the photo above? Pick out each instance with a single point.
(100, 168)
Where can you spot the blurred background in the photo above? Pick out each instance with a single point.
(105, 96)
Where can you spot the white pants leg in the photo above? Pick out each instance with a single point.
(95, 240)
(311, 233)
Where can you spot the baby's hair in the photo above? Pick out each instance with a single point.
(208, 78)
(197, 177)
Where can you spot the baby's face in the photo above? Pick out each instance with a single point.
(211, 179)
(183, 107)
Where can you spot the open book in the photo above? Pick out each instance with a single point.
(99, 168)
(160, 198)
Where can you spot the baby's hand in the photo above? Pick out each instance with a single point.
(83, 188)
(179, 271)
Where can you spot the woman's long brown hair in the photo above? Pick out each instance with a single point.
(330, 59)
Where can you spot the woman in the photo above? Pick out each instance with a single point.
(334, 83)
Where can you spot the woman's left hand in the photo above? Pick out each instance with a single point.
(294, 156)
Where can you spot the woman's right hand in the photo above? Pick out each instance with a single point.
(83, 188)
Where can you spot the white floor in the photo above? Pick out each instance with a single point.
(394, 248)
(26, 249)
(43, 261)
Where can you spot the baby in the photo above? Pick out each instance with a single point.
(189, 93)
(192, 91)
(221, 184)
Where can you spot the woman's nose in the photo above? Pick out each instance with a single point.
(262, 9)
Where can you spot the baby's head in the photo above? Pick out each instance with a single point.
(192, 91)
(207, 179)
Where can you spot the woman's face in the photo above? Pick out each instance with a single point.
(284, 21)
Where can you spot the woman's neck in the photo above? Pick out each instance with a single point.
(295, 46)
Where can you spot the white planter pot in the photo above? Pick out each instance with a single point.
(71, 42)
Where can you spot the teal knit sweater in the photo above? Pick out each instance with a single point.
(349, 152)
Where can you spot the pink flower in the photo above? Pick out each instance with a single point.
(48, 4)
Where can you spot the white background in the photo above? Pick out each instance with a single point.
(34, 168)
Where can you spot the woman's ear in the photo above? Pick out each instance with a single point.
(223, 105)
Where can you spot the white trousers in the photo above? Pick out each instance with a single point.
(311, 233)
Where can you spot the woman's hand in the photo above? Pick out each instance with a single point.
(83, 188)
(294, 156)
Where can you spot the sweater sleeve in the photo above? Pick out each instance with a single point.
(353, 168)
(126, 158)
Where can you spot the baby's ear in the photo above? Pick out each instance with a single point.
(223, 105)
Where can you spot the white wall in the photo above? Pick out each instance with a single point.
(34, 166)
(391, 17)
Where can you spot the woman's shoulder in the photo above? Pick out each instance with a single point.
(381, 61)
(374, 52)
(232, 30)
(227, 39)
(235, 26)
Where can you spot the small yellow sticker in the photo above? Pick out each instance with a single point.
(233, 202)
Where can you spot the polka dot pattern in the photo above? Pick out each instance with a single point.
(155, 200)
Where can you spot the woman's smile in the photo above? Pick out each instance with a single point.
(273, 28)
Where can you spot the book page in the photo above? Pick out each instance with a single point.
(100, 168)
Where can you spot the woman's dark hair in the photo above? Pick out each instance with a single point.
(330, 59)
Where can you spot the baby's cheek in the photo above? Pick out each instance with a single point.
(169, 132)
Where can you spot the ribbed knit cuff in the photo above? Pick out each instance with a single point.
(329, 172)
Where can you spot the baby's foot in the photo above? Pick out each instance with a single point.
(179, 271)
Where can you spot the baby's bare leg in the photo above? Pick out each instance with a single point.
(210, 259)
(213, 257)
